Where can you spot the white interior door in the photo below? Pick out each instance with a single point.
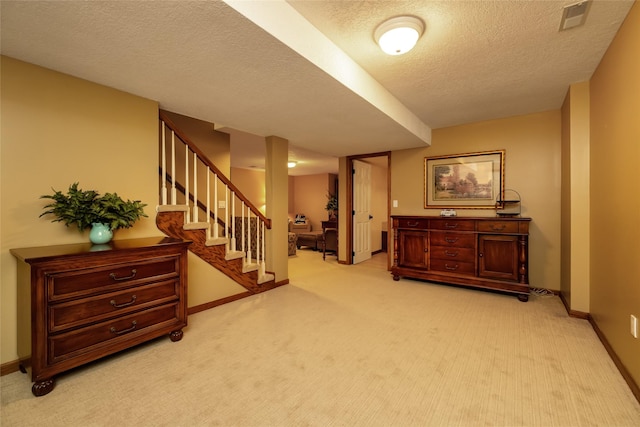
(361, 211)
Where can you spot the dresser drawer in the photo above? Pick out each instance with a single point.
(457, 240)
(453, 266)
(86, 340)
(453, 225)
(86, 282)
(413, 223)
(94, 309)
(498, 226)
(453, 254)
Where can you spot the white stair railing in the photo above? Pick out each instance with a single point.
(197, 174)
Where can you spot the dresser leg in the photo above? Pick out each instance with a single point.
(523, 297)
(176, 335)
(40, 388)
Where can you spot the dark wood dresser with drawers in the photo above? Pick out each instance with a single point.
(80, 302)
(490, 253)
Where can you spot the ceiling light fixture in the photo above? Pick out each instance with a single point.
(291, 164)
(398, 35)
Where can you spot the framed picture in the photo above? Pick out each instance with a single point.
(464, 181)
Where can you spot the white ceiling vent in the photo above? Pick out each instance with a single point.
(574, 15)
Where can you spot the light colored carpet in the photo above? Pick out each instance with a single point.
(348, 346)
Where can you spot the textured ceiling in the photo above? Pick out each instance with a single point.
(478, 60)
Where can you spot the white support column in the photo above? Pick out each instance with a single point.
(276, 179)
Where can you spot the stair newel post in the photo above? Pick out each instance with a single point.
(195, 187)
(208, 203)
(186, 183)
(215, 206)
(174, 194)
(164, 164)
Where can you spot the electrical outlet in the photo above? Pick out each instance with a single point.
(395, 203)
(634, 326)
(222, 204)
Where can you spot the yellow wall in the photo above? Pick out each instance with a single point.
(615, 205)
(57, 130)
(251, 184)
(575, 198)
(310, 198)
(532, 167)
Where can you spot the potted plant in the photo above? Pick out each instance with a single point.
(332, 206)
(88, 209)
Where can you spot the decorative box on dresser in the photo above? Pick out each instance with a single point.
(81, 302)
(490, 253)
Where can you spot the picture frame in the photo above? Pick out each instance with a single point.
(464, 181)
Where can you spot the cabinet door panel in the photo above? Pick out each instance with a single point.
(498, 256)
(413, 249)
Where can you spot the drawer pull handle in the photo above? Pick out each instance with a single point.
(124, 331)
(450, 240)
(447, 225)
(451, 254)
(499, 227)
(133, 274)
(454, 268)
(412, 224)
(125, 304)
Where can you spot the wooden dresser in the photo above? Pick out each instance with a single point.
(489, 253)
(80, 302)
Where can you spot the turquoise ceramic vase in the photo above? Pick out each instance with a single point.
(100, 233)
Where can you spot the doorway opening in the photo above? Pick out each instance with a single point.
(380, 208)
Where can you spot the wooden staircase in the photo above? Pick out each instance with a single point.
(216, 240)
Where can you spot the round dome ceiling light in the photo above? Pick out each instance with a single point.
(398, 35)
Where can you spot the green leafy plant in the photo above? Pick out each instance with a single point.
(332, 203)
(84, 208)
